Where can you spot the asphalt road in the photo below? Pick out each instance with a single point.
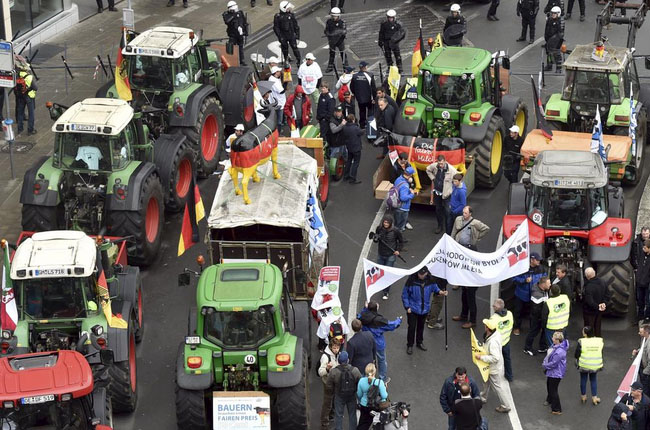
(415, 379)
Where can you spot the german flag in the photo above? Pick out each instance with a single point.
(105, 297)
(539, 113)
(122, 84)
(194, 212)
(419, 54)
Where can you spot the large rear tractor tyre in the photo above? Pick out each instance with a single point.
(39, 218)
(489, 154)
(144, 225)
(206, 137)
(237, 97)
(191, 411)
(521, 118)
(619, 278)
(290, 407)
(180, 177)
(122, 388)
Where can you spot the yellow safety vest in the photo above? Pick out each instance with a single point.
(558, 312)
(504, 326)
(28, 81)
(591, 353)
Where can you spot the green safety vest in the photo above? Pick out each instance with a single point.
(558, 312)
(591, 353)
(504, 326)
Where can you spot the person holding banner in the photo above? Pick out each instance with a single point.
(416, 298)
(589, 356)
(377, 324)
(618, 419)
(644, 350)
(494, 357)
(637, 404)
(523, 284)
(389, 244)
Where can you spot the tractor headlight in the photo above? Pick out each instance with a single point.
(6, 334)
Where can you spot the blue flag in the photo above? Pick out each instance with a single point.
(597, 146)
(632, 132)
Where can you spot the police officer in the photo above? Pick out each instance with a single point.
(391, 33)
(527, 9)
(25, 97)
(287, 30)
(581, 3)
(325, 110)
(505, 322)
(556, 313)
(237, 28)
(364, 89)
(335, 32)
(512, 144)
(454, 18)
(554, 36)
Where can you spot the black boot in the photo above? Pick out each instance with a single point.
(269, 2)
(252, 3)
(548, 67)
(330, 67)
(522, 38)
(558, 69)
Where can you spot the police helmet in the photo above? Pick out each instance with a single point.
(283, 6)
(455, 8)
(556, 9)
(335, 11)
(391, 13)
(232, 6)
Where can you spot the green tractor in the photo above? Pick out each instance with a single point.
(188, 81)
(107, 175)
(462, 92)
(62, 306)
(246, 334)
(599, 75)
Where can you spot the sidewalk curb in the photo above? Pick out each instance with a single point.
(268, 29)
(643, 213)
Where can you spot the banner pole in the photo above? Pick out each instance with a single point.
(446, 342)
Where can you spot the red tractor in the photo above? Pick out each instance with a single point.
(575, 218)
(52, 390)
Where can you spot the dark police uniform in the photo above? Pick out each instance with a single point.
(237, 29)
(391, 34)
(554, 36)
(455, 20)
(527, 9)
(335, 32)
(285, 27)
(364, 90)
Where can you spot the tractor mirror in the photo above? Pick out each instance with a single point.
(647, 63)
(183, 279)
(106, 356)
(505, 63)
(229, 48)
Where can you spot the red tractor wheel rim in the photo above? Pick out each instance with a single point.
(340, 166)
(140, 322)
(152, 219)
(184, 177)
(132, 370)
(209, 137)
(324, 186)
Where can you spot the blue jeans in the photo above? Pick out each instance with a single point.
(593, 379)
(401, 217)
(339, 410)
(549, 335)
(452, 422)
(507, 362)
(384, 261)
(382, 365)
(21, 103)
(339, 151)
(280, 114)
(352, 164)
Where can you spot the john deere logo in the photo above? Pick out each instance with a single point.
(559, 307)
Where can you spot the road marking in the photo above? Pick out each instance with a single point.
(186, 11)
(474, 15)
(358, 273)
(526, 49)
(494, 288)
(320, 21)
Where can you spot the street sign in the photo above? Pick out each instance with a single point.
(7, 75)
(128, 18)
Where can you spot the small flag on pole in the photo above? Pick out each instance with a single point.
(597, 146)
(541, 120)
(418, 54)
(105, 297)
(194, 212)
(632, 132)
(122, 84)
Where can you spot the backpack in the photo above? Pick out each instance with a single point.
(329, 360)
(348, 384)
(336, 331)
(21, 85)
(392, 198)
(373, 396)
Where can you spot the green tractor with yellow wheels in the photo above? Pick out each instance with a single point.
(462, 94)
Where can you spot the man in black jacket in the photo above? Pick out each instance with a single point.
(563, 281)
(381, 93)
(512, 144)
(596, 298)
(325, 110)
(454, 36)
(351, 135)
(347, 105)
(364, 89)
(467, 410)
(642, 277)
(285, 27)
(451, 392)
(391, 33)
(389, 244)
(335, 32)
(527, 9)
(637, 246)
(385, 119)
(361, 347)
(236, 28)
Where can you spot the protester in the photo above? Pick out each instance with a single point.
(451, 392)
(385, 116)
(642, 278)
(351, 135)
(644, 350)
(361, 347)
(467, 411)
(343, 83)
(589, 354)
(539, 295)
(595, 300)
(513, 140)
(441, 175)
(523, 284)
(457, 200)
(271, 62)
(343, 381)
(309, 77)
(336, 329)
(389, 244)
(638, 405)
(494, 358)
(554, 365)
(366, 405)
(336, 142)
(377, 324)
(416, 298)
(618, 420)
(328, 361)
(556, 313)
(637, 246)
(504, 320)
(297, 109)
(348, 105)
(364, 89)
(278, 93)
(433, 319)
(381, 93)
(25, 91)
(563, 281)
(406, 194)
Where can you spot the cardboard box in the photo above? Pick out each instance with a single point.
(382, 190)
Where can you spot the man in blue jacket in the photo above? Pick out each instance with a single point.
(457, 201)
(406, 194)
(523, 284)
(416, 297)
(377, 324)
(451, 392)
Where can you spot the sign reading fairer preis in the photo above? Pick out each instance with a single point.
(241, 410)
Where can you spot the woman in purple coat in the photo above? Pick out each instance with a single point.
(555, 367)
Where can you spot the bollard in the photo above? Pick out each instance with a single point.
(7, 127)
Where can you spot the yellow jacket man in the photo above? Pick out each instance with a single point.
(25, 97)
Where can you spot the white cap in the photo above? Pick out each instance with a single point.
(455, 7)
(391, 13)
(273, 60)
(240, 127)
(283, 6)
(310, 56)
(232, 5)
(556, 9)
(514, 129)
(335, 11)
(275, 69)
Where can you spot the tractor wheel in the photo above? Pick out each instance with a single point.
(39, 218)
(206, 137)
(637, 161)
(122, 388)
(129, 289)
(102, 407)
(237, 97)
(619, 278)
(191, 412)
(489, 153)
(290, 408)
(337, 168)
(324, 186)
(139, 324)
(145, 224)
(180, 178)
(521, 118)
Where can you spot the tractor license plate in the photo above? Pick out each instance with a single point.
(192, 340)
(37, 399)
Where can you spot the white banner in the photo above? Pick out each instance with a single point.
(459, 265)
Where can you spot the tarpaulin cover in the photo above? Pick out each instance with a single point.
(569, 141)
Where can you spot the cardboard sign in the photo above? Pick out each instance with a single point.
(241, 410)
